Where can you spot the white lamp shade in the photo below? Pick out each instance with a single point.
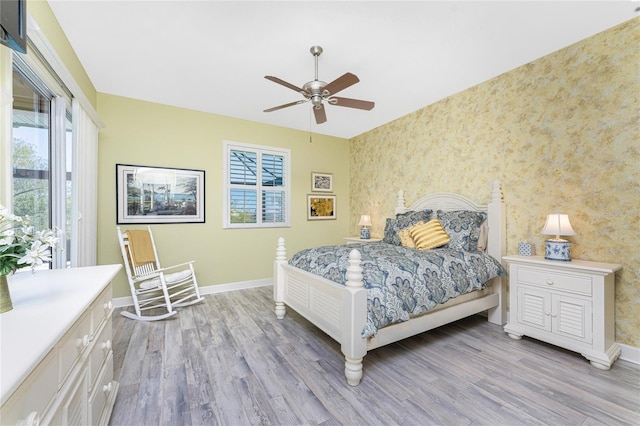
(365, 220)
(557, 224)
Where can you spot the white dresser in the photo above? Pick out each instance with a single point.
(56, 361)
(568, 304)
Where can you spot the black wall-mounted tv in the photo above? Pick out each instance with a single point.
(13, 24)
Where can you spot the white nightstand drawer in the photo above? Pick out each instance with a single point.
(574, 283)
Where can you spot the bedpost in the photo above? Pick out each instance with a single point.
(496, 247)
(354, 313)
(400, 203)
(278, 278)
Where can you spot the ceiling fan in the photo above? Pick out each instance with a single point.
(318, 92)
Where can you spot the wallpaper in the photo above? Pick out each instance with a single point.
(561, 134)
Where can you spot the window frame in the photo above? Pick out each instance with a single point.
(259, 150)
(43, 80)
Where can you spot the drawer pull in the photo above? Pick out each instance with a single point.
(82, 341)
(106, 345)
(107, 388)
(33, 419)
(549, 281)
(107, 306)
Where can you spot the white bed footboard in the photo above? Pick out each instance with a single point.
(340, 311)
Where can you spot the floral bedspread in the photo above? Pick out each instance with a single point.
(402, 281)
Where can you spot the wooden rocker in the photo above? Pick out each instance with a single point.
(154, 288)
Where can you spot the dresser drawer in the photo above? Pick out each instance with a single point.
(101, 310)
(102, 393)
(34, 394)
(100, 351)
(72, 345)
(575, 283)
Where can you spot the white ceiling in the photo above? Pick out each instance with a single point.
(212, 56)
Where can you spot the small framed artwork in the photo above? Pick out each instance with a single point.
(321, 207)
(321, 182)
(159, 195)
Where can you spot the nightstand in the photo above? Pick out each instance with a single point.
(568, 304)
(352, 240)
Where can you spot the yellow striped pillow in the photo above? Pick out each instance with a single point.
(430, 235)
(406, 240)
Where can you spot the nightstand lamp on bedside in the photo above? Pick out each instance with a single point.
(557, 248)
(365, 222)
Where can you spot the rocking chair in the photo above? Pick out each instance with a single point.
(153, 287)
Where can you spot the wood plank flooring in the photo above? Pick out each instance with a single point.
(229, 361)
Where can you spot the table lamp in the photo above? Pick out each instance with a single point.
(365, 222)
(557, 248)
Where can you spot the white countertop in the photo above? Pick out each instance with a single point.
(45, 305)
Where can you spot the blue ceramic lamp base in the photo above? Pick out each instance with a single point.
(557, 250)
(364, 234)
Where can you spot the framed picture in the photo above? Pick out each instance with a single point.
(321, 182)
(321, 207)
(159, 195)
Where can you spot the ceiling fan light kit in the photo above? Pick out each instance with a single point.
(318, 92)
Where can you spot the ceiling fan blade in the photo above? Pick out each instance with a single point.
(352, 103)
(284, 106)
(320, 114)
(341, 83)
(284, 83)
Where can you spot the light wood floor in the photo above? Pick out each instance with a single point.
(229, 361)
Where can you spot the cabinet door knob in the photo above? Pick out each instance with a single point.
(107, 388)
(106, 345)
(82, 341)
(549, 281)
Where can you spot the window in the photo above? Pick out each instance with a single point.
(41, 152)
(256, 186)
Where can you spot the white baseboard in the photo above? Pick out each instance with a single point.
(122, 302)
(629, 353)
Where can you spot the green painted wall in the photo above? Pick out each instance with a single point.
(561, 133)
(49, 26)
(145, 133)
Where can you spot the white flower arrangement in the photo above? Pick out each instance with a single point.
(22, 246)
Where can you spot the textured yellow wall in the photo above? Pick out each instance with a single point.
(562, 135)
(145, 133)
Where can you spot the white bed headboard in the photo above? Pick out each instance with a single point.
(496, 222)
(448, 201)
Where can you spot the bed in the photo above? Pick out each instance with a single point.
(341, 310)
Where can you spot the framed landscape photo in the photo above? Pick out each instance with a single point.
(321, 182)
(321, 207)
(146, 194)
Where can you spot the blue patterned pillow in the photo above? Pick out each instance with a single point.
(463, 226)
(402, 221)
